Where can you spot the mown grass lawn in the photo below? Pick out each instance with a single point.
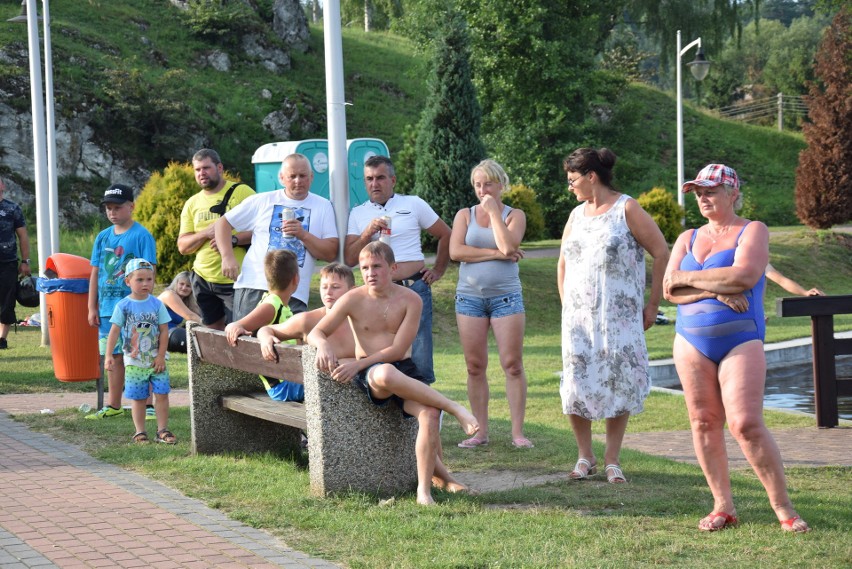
(650, 521)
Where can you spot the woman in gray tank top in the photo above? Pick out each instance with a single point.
(486, 240)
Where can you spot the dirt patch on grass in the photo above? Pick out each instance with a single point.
(502, 480)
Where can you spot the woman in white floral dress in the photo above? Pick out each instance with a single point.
(601, 280)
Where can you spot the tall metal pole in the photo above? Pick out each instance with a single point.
(338, 172)
(39, 157)
(680, 199)
(680, 52)
(52, 178)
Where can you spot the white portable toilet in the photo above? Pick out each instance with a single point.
(267, 162)
(358, 151)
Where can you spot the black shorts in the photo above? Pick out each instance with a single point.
(406, 366)
(216, 301)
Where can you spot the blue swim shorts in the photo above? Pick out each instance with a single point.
(103, 333)
(138, 379)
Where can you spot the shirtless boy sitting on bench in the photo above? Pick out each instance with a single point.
(384, 318)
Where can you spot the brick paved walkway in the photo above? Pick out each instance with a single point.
(59, 507)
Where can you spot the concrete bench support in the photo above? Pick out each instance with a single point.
(352, 444)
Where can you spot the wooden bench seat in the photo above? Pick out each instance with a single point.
(261, 406)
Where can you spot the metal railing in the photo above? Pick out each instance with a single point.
(757, 110)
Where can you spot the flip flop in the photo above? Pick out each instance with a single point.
(730, 521)
(578, 474)
(473, 442)
(522, 442)
(790, 525)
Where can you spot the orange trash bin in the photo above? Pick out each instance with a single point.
(73, 343)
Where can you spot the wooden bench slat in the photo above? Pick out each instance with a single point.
(261, 406)
(213, 348)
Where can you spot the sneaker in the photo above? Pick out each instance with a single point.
(106, 412)
(3, 344)
(150, 414)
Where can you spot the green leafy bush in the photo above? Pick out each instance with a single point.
(556, 204)
(665, 211)
(524, 198)
(222, 20)
(158, 208)
(150, 110)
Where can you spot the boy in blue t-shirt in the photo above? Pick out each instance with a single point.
(114, 247)
(141, 322)
(282, 278)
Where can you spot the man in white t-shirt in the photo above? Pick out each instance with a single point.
(311, 235)
(410, 215)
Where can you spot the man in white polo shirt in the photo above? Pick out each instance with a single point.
(409, 215)
(311, 234)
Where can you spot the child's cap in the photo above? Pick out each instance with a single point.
(118, 193)
(137, 264)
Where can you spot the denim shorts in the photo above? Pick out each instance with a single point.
(492, 307)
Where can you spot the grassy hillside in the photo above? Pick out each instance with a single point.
(95, 40)
(643, 134)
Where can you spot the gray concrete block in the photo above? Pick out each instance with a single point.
(354, 444)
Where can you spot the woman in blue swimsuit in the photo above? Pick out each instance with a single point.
(716, 277)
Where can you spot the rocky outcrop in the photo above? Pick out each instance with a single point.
(77, 155)
(290, 24)
(272, 58)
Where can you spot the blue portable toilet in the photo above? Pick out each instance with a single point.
(358, 151)
(267, 162)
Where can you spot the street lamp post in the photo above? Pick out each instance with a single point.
(699, 68)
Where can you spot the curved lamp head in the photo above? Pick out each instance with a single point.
(700, 66)
(22, 17)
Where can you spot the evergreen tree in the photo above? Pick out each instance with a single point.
(824, 175)
(448, 144)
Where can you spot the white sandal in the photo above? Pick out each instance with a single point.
(614, 475)
(578, 474)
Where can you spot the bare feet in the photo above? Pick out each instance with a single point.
(468, 422)
(452, 486)
(425, 498)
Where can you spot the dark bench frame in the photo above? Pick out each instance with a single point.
(826, 348)
(352, 444)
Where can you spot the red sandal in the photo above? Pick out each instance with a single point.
(730, 521)
(790, 525)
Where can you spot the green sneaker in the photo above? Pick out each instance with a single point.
(106, 412)
(150, 414)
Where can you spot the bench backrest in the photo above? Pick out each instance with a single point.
(213, 348)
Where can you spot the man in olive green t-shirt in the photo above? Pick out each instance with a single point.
(214, 292)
